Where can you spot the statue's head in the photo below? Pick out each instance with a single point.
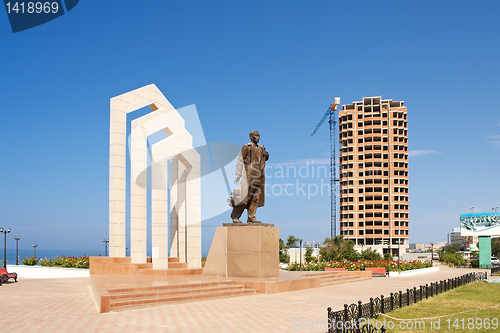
(254, 136)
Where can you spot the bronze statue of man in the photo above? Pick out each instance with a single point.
(251, 192)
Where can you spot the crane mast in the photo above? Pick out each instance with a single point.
(330, 113)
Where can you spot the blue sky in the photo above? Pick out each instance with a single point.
(273, 66)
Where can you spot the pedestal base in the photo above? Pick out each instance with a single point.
(244, 251)
(248, 224)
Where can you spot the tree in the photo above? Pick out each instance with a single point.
(370, 254)
(388, 256)
(284, 256)
(495, 247)
(452, 248)
(308, 257)
(292, 242)
(337, 249)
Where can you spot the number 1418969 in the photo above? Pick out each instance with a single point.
(32, 7)
(473, 323)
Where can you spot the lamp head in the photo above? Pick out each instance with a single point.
(8, 230)
(1, 229)
(337, 100)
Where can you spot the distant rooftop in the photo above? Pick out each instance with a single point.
(375, 101)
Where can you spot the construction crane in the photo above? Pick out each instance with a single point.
(330, 113)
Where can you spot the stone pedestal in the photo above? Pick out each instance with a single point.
(244, 251)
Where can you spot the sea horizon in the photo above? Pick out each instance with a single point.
(47, 253)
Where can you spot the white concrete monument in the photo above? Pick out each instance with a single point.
(185, 201)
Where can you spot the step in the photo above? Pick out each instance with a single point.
(170, 292)
(168, 287)
(132, 303)
(170, 271)
(184, 271)
(177, 265)
(173, 259)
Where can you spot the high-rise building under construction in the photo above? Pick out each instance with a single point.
(373, 136)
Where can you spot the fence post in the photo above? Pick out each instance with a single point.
(415, 295)
(359, 316)
(400, 299)
(392, 301)
(346, 319)
(371, 307)
(407, 297)
(336, 325)
(330, 324)
(437, 289)
(421, 293)
(432, 289)
(426, 291)
(382, 303)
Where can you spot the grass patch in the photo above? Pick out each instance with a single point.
(475, 296)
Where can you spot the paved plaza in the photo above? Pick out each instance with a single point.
(67, 305)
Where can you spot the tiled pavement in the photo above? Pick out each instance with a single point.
(66, 305)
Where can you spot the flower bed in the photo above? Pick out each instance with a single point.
(390, 265)
(63, 261)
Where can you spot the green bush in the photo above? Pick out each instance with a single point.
(370, 254)
(452, 259)
(47, 262)
(72, 262)
(474, 263)
(31, 261)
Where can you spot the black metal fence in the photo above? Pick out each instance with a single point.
(353, 318)
(495, 269)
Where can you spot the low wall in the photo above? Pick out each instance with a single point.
(44, 272)
(414, 271)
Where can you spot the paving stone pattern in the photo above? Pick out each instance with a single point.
(66, 305)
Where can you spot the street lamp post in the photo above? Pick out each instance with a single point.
(5, 232)
(432, 251)
(17, 238)
(399, 251)
(471, 209)
(106, 241)
(495, 208)
(34, 249)
(300, 254)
